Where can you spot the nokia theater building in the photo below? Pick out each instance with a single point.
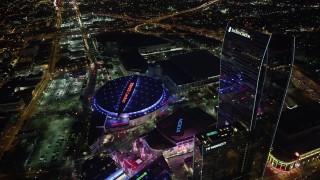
(174, 134)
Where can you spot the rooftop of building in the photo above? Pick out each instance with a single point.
(157, 169)
(98, 167)
(235, 135)
(129, 39)
(184, 124)
(10, 99)
(293, 121)
(155, 140)
(298, 128)
(191, 67)
(21, 82)
(215, 134)
(130, 96)
(133, 61)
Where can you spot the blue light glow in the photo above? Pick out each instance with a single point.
(142, 95)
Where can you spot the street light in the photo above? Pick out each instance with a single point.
(297, 163)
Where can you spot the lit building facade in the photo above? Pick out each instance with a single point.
(174, 134)
(294, 144)
(254, 76)
(221, 153)
(301, 159)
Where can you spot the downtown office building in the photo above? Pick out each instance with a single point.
(255, 72)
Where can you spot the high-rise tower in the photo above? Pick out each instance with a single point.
(220, 153)
(255, 73)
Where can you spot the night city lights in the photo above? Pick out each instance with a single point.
(160, 90)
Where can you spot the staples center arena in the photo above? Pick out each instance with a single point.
(130, 100)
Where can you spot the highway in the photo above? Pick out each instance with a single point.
(9, 135)
(218, 35)
(310, 88)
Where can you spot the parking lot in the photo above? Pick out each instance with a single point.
(61, 88)
(51, 136)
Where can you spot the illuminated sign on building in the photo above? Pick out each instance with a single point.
(179, 125)
(240, 32)
(118, 124)
(129, 89)
(142, 176)
(215, 146)
(212, 133)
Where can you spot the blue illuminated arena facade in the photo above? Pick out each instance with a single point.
(130, 98)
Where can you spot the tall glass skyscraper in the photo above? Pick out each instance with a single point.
(255, 72)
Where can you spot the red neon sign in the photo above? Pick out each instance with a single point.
(129, 89)
(165, 102)
(117, 124)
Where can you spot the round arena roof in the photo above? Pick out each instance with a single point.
(130, 97)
